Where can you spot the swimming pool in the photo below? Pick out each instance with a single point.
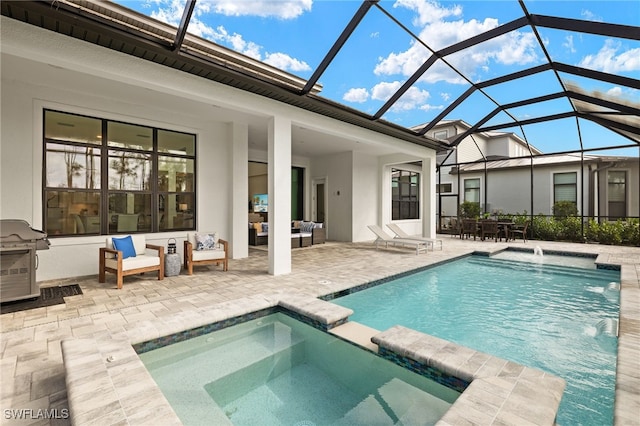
(558, 319)
(277, 370)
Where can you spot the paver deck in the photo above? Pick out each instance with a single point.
(31, 366)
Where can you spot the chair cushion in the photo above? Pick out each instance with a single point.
(191, 237)
(139, 244)
(257, 226)
(208, 254)
(129, 263)
(125, 245)
(206, 241)
(306, 226)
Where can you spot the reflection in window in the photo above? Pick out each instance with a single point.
(130, 136)
(405, 189)
(617, 194)
(70, 166)
(472, 190)
(120, 185)
(565, 187)
(129, 170)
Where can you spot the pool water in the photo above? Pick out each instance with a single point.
(278, 371)
(558, 319)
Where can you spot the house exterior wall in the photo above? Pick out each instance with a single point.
(366, 195)
(21, 174)
(469, 151)
(42, 69)
(338, 168)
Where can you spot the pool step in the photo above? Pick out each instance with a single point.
(263, 334)
(357, 333)
(196, 365)
(243, 380)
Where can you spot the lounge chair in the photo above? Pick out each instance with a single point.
(431, 242)
(420, 246)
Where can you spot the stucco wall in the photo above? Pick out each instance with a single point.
(42, 70)
(21, 174)
(338, 169)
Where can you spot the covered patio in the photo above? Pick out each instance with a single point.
(32, 368)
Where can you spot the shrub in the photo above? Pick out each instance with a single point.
(545, 228)
(470, 209)
(591, 231)
(570, 229)
(563, 209)
(631, 232)
(610, 233)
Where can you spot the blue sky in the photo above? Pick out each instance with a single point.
(294, 35)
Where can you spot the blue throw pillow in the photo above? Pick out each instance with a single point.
(125, 245)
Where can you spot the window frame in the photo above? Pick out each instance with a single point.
(446, 185)
(564, 185)
(466, 189)
(143, 202)
(624, 203)
(405, 206)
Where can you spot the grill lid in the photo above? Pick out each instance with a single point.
(19, 231)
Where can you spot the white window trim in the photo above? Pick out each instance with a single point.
(578, 188)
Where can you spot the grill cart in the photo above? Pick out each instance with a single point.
(18, 259)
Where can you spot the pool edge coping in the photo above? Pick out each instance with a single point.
(106, 380)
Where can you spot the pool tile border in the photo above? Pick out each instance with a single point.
(128, 393)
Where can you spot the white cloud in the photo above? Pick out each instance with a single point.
(281, 9)
(357, 95)
(513, 48)
(427, 107)
(609, 60)
(568, 44)
(411, 99)
(445, 96)
(590, 16)
(383, 91)
(428, 11)
(614, 91)
(286, 62)
(170, 11)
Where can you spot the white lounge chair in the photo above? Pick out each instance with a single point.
(420, 246)
(431, 242)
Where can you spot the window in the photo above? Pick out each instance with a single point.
(440, 135)
(472, 190)
(617, 194)
(405, 190)
(297, 193)
(565, 187)
(108, 177)
(443, 188)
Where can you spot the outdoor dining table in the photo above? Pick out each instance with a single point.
(505, 228)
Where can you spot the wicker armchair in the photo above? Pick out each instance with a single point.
(519, 230)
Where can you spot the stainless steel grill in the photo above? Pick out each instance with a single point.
(18, 259)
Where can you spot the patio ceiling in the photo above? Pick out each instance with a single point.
(116, 27)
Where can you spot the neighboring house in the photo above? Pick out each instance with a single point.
(97, 142)
(495, 169)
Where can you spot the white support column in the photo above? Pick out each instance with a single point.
(429, 197)
(279, 139)
(239, 238)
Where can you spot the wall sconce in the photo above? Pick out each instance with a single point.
(183, 207)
